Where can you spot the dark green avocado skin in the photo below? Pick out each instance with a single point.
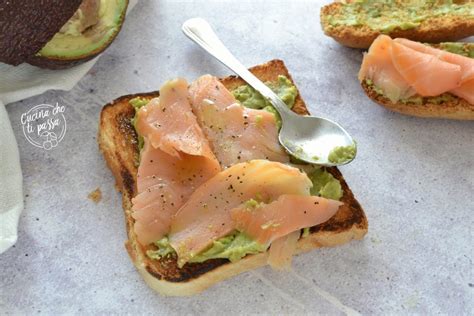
(27, 25)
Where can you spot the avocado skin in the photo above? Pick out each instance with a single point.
(68, 62)
(27, 25)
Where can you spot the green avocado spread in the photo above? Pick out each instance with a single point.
(237, 245)
(387, 15)
(250, 98)
(325, 185)
(341, 154)
(464, 49)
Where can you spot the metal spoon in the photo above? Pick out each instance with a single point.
(308, 138)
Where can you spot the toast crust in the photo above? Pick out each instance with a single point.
(118, 143)
(458, 109)
(432, 30)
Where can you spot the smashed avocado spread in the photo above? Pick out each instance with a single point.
(325, 185)
(387, 15)
(251, 98)
(341, 154)
(464, 49)
(233, 247)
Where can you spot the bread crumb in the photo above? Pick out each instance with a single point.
(95, 195)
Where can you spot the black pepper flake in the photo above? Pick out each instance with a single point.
(163, 110)
(151, 161)
(305, 212)
(316, 203)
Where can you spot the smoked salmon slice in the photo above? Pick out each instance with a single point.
(289, 213)
(176, 159)
(466, 63)
(236, 133)
(402, 68)
(466, 88)
(169, 123)
(427, 74)
(377, 66)
(164, 183)
(465, 91)
(279, 223)
(206, 215)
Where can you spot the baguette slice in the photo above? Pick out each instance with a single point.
(445, 28)
(456, 108)
(118, 143)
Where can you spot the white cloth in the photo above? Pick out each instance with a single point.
(18, 83)
(11, 190)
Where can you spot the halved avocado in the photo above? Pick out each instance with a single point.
(27, 25)
(73, 45)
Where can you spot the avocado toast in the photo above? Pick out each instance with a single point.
(119, 143)
(358, 23)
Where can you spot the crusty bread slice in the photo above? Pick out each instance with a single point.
(432, 30)
(118, 143)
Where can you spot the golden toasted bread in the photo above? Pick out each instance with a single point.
(118, 143)
(436, 29)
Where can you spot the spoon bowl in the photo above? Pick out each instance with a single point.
(312, 139)
(309, 138)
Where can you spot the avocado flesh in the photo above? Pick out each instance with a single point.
(72, 44)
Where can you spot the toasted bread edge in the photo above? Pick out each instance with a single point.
(459, 109)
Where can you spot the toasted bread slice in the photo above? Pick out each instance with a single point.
(444, 28)
(455, 108)
(118, 143)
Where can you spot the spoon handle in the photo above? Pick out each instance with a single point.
(198, 30)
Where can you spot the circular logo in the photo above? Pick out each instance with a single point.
(44, 125)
